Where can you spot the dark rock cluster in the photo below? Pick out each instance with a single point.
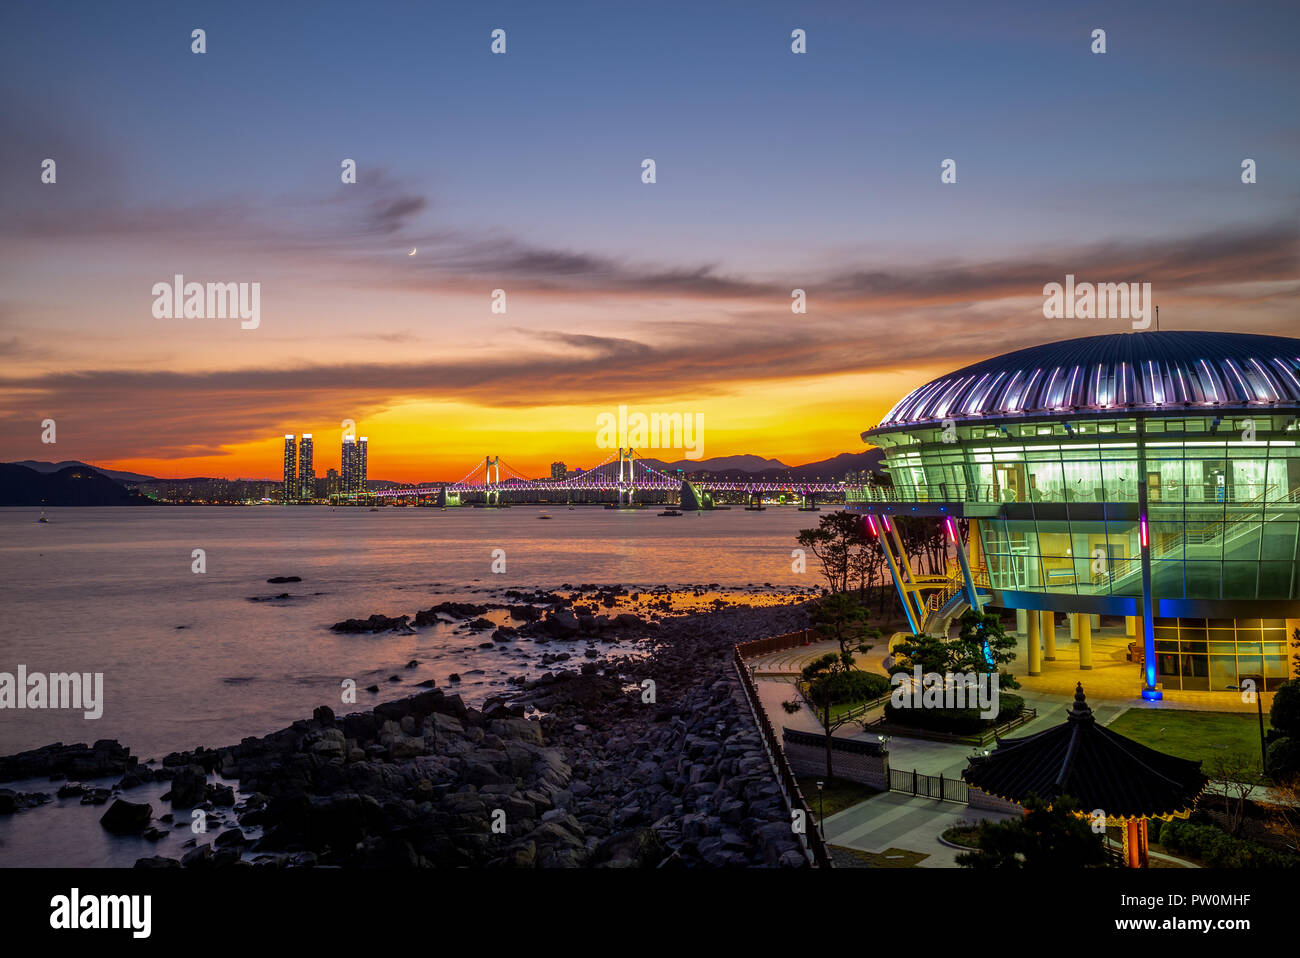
(649, 759)
(105, 757)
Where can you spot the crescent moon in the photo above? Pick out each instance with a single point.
(413, 251)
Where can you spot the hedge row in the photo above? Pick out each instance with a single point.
(956, 721)
(1217, 848)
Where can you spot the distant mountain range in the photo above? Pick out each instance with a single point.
(47, 467)
(756, 467)
(719, 464)
(77, 485)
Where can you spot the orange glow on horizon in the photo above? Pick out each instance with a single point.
(796, 422)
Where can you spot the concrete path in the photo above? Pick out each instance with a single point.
(772, 692)
(790, 662)
(896, 820)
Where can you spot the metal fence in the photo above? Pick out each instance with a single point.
(776, 643)
(929, 786)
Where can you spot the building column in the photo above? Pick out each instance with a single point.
(1131, 626)
(1022, 622)
(1135, 844)
(1035, 653)
(1095, 621)
(1049, 636)
(1083, 632)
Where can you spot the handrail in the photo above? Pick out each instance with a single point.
(995, 493)
(953, 584)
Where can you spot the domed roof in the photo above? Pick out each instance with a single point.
(1140, 371)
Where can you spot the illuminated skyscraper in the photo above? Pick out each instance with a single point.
(349, 461)
(289, 488)
(559, 470)
(362, 452)
(306, 470)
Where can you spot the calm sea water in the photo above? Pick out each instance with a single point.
(107, 590)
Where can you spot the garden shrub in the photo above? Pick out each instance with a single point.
(847, 686)
(955, 721)
(1218, 849)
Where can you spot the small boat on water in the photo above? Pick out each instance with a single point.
(543, 516)
(42, 518)
(374, 508)
(670, 512)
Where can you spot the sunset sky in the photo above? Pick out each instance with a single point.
(522, 172)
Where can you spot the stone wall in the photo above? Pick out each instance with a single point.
(862, 762)
(991, 803)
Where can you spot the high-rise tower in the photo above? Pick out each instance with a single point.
(362, 453)
(306, 470)
(288, 491)
(349, 460)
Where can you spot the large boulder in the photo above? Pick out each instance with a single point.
(11, 801)
(189, 787)
(453, 610)
(127, 818)
(376, 623)
(562, 624)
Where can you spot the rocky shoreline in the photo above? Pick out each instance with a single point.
(644, 759)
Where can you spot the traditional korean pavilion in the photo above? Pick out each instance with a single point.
(1100, 769)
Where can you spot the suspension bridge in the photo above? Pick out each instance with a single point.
(621, 477)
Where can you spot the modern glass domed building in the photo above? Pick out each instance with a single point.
(1153, 475)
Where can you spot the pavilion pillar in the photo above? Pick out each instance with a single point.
(1035, 652)
(1022, 622)
(1083, 632)
(1131, 626)
(1135, 844)
(1049, 636)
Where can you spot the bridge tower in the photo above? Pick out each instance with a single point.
(493, 489)
(693, 499)
(628, 488)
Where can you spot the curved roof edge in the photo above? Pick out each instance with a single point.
(1117, 373)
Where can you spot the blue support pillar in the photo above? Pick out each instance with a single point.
(1149, 691)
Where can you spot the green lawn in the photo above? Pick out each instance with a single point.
(890, 858)
(837, 794)
(1194, 735)
(965, 835)
(840, 708)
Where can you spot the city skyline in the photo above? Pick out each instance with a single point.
(775, 173)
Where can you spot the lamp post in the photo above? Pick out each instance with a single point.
(821, 816)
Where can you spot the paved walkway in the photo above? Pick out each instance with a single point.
(897, 820)
(772, 692)
(788, 663)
